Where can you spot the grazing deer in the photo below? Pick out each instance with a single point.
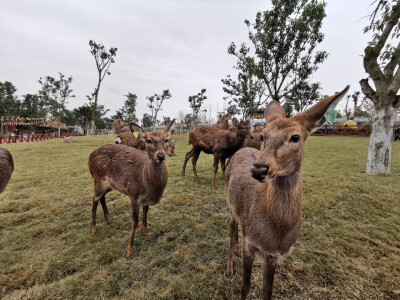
(221, 143)
(266, 190)
(6, 168)
(141, 176)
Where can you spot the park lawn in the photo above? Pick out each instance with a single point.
(349, 247)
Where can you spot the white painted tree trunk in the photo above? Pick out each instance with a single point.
(92, 128)
(379, 159)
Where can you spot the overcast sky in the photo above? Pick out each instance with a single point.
(179, 45)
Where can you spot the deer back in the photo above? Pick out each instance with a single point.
(6, 168)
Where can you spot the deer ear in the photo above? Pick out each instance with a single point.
(134, 127)
(313, 118)
(274, 110)
(170, 128)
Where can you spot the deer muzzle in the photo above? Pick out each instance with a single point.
(259, 171)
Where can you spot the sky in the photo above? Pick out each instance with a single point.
(180, 45)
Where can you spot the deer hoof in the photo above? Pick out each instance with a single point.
(108, 219)
(129, 252)
(183, 173)
(144, 230)
(94, 229)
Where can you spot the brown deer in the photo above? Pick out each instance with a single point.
(255, 140)
(6, 168)
(222, 123)
(128, 139)
(119, 127)
(221, 143)
(266, 190)
(141, 176)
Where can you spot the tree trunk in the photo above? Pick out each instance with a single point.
(379, 159)
(92, 129)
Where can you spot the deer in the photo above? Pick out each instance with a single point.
(219, 142)
(255, 140)
(6, 168)
(142, 176)
(265, 190)
(119, 127)
(222, 123)
(128, 139)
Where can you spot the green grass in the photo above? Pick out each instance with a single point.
(349, 247)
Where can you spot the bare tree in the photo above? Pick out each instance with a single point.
(103, 58)
(155, 103)
(381, 62)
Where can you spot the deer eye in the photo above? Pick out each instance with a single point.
(294, 138)
(261, 137)
(148, 141)
(167, 140)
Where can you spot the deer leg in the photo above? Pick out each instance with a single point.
(248, 260)
(215, 168)
(233, 243)
(223, 168)
(95, 202)
(135, 221)
(105, 209)
(194, 163)
(144, 221)
(269, 266)
(187, 157)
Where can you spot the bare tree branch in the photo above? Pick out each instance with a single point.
(368, 90)
(394, 61)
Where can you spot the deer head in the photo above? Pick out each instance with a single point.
(243, 129)
(282, 150)
(156, 141)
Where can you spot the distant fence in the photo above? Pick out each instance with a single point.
(344, 130)
(31, 137)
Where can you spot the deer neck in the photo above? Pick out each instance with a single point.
(282, 200)
(156, 174)
(236, 140)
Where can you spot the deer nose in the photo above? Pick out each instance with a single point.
(160, 156)
(259, 172)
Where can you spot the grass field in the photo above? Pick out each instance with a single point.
(349, 247)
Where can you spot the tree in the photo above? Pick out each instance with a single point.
(166, 120)
(195, 103)
(83, 116)
(288, 108)
(155, 103)
(55, 93)
(128, 111)
(382, 63)
(284, 40)
(304, 96)
(147, 121)
(33, 106)
(10, 106)
(248, 91)
(103, 58)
